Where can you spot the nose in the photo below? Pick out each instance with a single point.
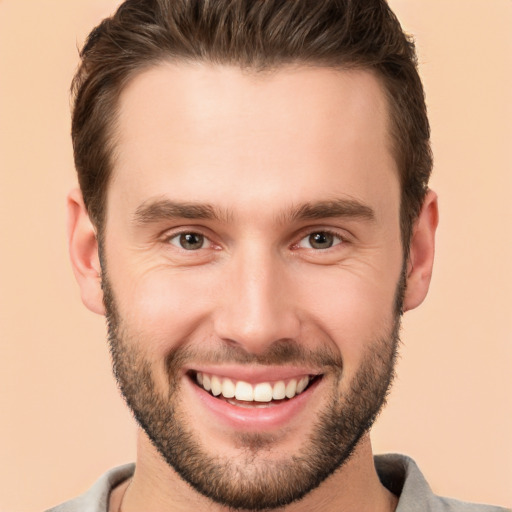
(256, 307)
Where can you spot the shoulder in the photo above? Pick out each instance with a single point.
(451, 505)
(401, 475)
(96, 498)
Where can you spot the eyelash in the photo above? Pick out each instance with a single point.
(303, 236)
(334, 234)
(168, 239)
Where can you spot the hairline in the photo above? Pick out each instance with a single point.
(112, 125)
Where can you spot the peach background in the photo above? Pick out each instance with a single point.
(63, 423)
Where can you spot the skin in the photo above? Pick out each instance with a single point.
(255, 147)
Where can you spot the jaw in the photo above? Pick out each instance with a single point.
(281, 451)
(355, 481)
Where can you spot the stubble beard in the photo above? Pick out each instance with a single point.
(253, 482)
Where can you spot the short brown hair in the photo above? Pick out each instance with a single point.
(258, 34)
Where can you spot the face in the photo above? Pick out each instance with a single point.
(252, 269)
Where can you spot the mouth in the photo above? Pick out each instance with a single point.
(261, 394)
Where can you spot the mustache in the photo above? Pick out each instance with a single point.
(279, 353)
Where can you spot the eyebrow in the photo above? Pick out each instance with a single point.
(165, 209)
(349, 208)
(158, 210)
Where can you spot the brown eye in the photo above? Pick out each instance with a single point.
(320, 240)
(188, 241)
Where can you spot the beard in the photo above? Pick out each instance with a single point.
(252, 482)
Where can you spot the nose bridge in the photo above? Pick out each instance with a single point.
(256, 308)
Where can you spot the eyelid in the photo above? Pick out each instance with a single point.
(169, 234)
(338, 233)
(337, 240)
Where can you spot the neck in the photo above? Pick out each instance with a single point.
(157, 487)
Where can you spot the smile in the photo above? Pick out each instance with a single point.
(242, 391)
(252, 399)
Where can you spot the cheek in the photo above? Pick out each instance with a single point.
(160, 310)
(354, 310)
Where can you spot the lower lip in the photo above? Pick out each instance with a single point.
(250, 419)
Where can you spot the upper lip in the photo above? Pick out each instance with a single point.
(254, 373)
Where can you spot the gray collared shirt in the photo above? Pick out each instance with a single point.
(398, 473)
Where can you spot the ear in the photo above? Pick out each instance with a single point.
(83, 251)
(421, 253)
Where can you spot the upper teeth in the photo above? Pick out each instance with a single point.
(261, 392)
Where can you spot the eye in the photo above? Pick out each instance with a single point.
(189, 241)
(320, 240)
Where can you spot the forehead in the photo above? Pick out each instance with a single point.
(244, 137)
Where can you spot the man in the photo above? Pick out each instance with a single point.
(253, 219)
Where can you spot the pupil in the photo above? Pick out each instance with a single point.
(321, 240)
(191, 241)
